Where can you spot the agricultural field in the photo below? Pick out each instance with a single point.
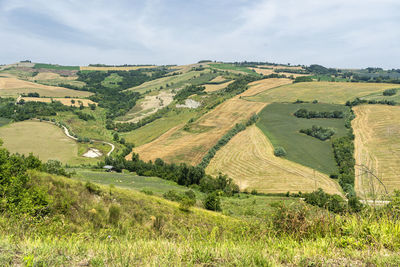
(12, 87)
(379, 96)
(216, 87)
(64, 101)
(54, 67)
(112, 81)
(282, 128)
(155, 129)
(190, 145)
(55, 79)
(168, 82)
(377, 135)
(249, 160)
(326, 92)
(93, 68)
(233, 68)
(50, 142)
(264, 85)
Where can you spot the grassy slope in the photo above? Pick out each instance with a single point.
(327, 92)
(153, 130)
(249, 160)
(376, 128)
(153, 231)
(282, 129)
(230, 67)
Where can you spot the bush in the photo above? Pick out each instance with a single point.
(321, 199)
(389, 92)
(92, 188)
(185, 203)
(114, 214)
(318, 132)
(280, 152)
(212, 202)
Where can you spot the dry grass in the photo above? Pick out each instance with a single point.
(216, 87)
(64, 101)
(14, 87)
(249, 160)
(326, 92)
(263, 85)
(116, 68)
(52, 76)
(178, 145)
(377, 131)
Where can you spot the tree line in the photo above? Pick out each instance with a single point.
(304, 113)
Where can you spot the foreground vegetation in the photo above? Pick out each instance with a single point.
(102, 225)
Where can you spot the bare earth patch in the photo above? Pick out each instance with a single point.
(93, 153)
(189, 103)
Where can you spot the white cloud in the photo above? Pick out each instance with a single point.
(336, 33)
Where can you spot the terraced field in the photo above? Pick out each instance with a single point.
(377, 135)
(14, 87)
(249, 160)
(326, 92)
(178, 145)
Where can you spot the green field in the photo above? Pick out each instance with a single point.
(225, 66)
(46, 141)
(282, 129)
(151, 131)
(54, 67)
(326, 92)
(173, 81)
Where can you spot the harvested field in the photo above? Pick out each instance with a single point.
(249, 160)
(178, 145)
(326, 92)
(377, 135)
(116, 68)
(216, 87)
(263, 85)
(64, 101)
(14, 87)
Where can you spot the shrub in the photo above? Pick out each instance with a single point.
(114, 214)
(318, 132)
(212, 202)
(185, 203)
(280, 152)
(389, 92)
(92, 188)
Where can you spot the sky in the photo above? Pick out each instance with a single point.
(339, 33)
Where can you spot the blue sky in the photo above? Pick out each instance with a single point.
(340, 33)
